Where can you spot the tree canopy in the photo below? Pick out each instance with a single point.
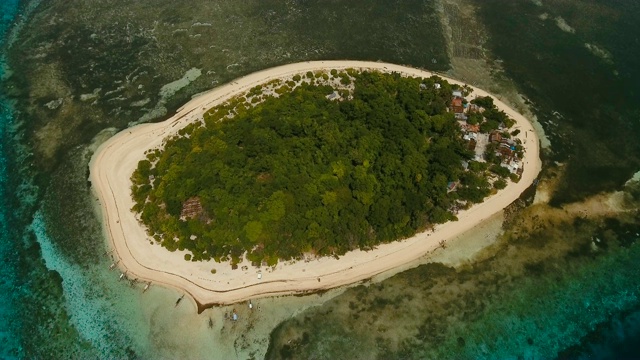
(300, 172)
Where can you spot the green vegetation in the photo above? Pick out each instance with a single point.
(305, 174)
(500, 184)
(492, 116)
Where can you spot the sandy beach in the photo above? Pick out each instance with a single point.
(139, 257)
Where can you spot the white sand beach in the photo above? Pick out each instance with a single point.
(115, 160)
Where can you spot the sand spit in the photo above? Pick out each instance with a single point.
(115, 160)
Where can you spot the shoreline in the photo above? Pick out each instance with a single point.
(114, 161)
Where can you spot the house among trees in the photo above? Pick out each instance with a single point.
(457, 106)
(333, 96)
(513, 165)
(470, 136)
(506, 150)
(495, 136)
(474, 108)
(461, 116)
(191, 208)
(451, 186)
(473, 128)
(471, 145)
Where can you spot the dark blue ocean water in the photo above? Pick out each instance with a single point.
(9, 322)
(546, 64)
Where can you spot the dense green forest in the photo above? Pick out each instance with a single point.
(317, 168)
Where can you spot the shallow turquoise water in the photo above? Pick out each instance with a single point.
(9, 337)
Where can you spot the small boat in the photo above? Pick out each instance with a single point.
(113, 265)
(122, 275)
(179, 299)
(146, 287)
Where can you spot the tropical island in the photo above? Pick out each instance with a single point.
(307, 177)
(319, 165)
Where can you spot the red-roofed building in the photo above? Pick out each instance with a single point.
(495, 137)
(456, 105)
(473, 128)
